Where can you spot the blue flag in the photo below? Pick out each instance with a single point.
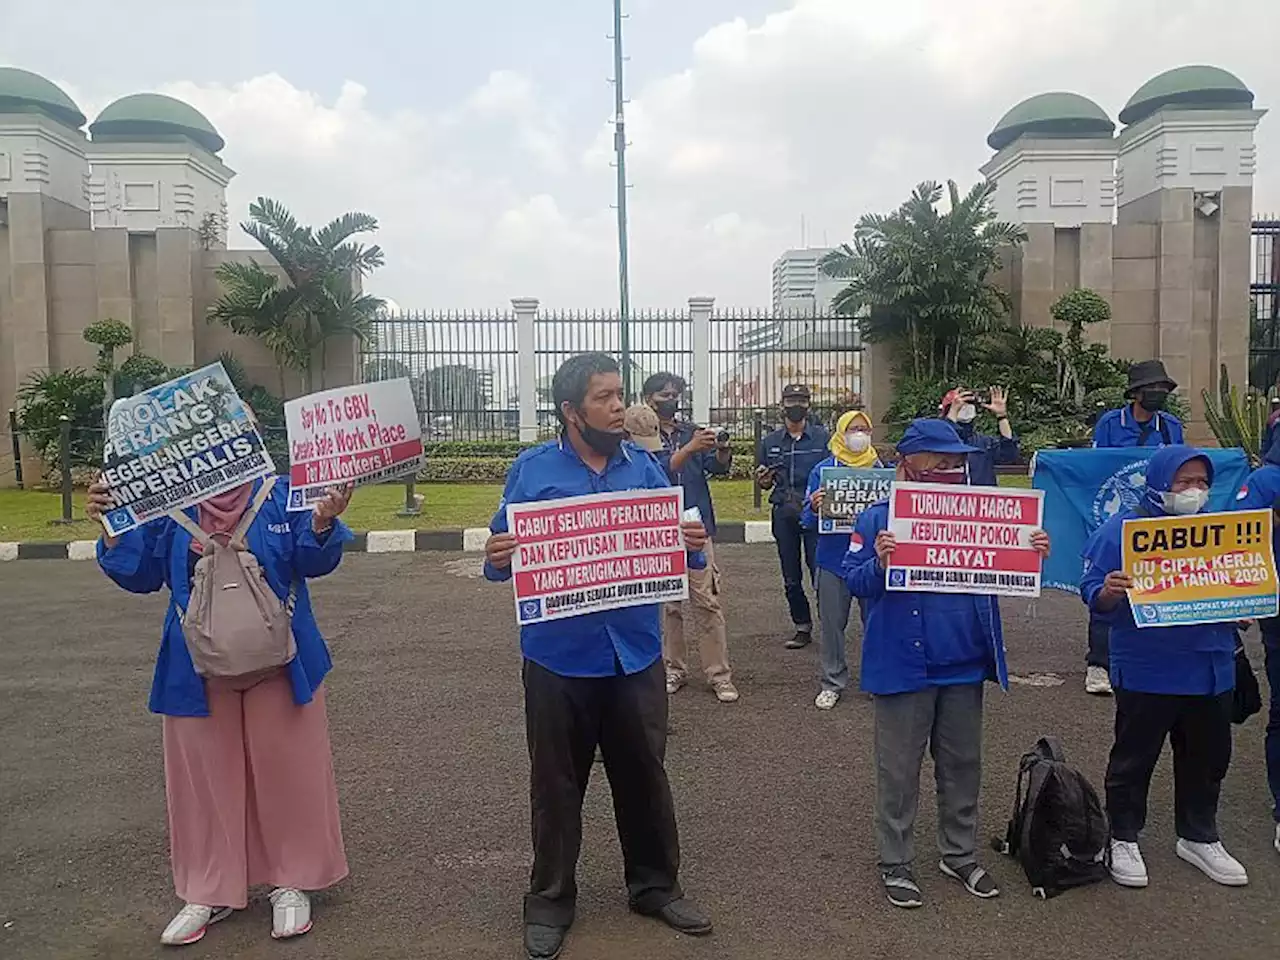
(1085, 488)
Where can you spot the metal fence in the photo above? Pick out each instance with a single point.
(1264, 314)
(466, 371)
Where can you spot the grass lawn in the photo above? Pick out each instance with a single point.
(27, 516)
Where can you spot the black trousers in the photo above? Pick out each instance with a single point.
(1199, 728)
(793, 541)
(1099, 653)
(566, 718)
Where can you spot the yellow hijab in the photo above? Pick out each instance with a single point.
(842, 453)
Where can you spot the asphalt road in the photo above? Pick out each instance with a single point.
(774, 798)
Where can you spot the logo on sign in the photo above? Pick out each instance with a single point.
(119, 517)
(295, 498)
(1149, 613)
(897, 578)
(530, 609)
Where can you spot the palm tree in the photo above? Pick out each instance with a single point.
(920, 278)
(321, 299)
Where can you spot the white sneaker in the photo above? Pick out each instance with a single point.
(827, 699)
(1127, 867)
(1097, 682)
(191, 923)
(1277, 841)
(674, 681)
(290, 913)
(725, 691)
(1214, 862)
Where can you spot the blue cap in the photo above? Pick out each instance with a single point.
(932, 436)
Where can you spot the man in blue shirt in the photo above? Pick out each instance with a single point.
(690, 455)
(1141, 422)
(593, 680)
(786, 458)
(925, 658)
(1171, 683)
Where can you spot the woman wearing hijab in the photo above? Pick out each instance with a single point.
(247, 763)
(850, 446)
(1171, 683)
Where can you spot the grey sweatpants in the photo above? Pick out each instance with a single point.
(949, 720)
(834, 601)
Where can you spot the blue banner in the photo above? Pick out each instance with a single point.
(1085, 488)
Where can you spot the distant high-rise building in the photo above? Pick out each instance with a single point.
(799, 287)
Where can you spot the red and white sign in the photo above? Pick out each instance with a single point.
(359, 434)
(954, 539)
(585, 554)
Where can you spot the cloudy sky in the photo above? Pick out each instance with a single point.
(478, 132)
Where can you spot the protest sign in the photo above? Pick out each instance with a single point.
(585, 554)
(1206, 568)
(1086, 488)
(846, 492)
(177, 444)
(360, 434)
(959, 539)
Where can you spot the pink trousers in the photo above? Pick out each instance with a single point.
(252, 799)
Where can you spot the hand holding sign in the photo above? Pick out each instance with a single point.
(331, 507)
(499, 549)
(886, 543)
(695, 535)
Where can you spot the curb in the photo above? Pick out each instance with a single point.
(470, 540)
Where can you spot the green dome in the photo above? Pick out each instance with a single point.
(155, 117)
(22, 91)
(1057, 114)
(1192, 88)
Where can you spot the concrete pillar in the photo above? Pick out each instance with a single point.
(526, 309)
(27, 322)
(1097, 272)
(1235, 244)
(700, 320)
(877, 383)
(176, 249)
(1175, 299)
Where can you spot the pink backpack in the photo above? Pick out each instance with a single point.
(234, 623)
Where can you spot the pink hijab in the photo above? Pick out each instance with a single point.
(220, 514)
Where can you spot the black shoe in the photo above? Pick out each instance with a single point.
(683, 916)
(901, 888)
(542, 942)
(801, 640)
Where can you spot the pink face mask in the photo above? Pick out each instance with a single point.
(953, 475)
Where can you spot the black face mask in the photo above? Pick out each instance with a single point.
(603, 442)
(1153, 400)
(667, 408)
(796, 413)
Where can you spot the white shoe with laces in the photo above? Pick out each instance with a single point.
(290, 913)
(1126, 866)
(675, 681)
(1214, 862)
(827, 699)
(190, 924)
(1097, 681)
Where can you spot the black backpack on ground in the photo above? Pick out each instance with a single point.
(1059, 831)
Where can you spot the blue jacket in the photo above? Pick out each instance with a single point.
(626, 640)
(1194, 660)
(693, 475)
(832, 547)
(793, 459)
(158, 554)
(990, 451)
(895, 654)
(1262, 491)
(1119, 428)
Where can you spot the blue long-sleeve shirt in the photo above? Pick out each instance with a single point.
(158, 554)
(913, 640)
(792, 459)
(1120, 428)
(990, 452)
(693, 475)
(832, 547)
(604, 644)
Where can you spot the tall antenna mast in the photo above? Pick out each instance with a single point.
(620, 151)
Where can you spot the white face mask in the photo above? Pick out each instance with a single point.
(967, 414)
(1186, 502)
(857, 441)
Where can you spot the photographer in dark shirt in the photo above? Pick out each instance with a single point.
(786, 457)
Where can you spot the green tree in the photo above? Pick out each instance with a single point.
(1078, 309)
(44, 398)
(919, 279)
(319, 300)
(108, 336)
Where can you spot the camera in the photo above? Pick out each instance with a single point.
(722, 436)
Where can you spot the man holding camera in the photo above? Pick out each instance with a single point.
(690, 455)
(786, 458)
